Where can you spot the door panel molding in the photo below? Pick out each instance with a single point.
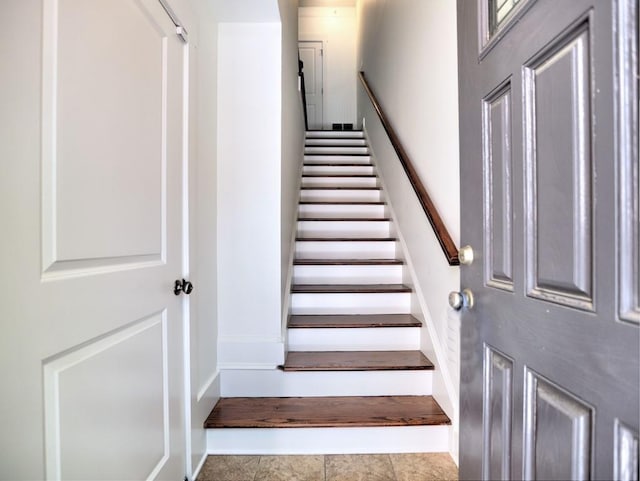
(498, 190)
(558, 170)
(85, 208)
(627, 147)
(497, 399)
(69, 408)
(557, 428)
(625, 452)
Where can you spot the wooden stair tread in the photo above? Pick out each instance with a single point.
(357, 176)
(334, 411)
(337, 321)
(349, 288)
(344, 219)
(335, 164)
(356, 361)
(345, 154)
(336, 145)
(346, 239)
(340, 187)
(340, 202)
(347, 262)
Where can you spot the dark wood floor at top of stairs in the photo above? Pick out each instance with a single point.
(309, 412)
(356, 361)
(349, 288)
(330, 321)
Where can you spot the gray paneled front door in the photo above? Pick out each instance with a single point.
(549, 169)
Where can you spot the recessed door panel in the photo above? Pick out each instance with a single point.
(558, 161)
(557, 432)
(104, 154)
(497, 417)
(498, 201)
(132, 367)
(628, 146)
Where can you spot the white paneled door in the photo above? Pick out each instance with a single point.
(91, 148)
(311, 54)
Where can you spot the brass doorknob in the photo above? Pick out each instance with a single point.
(458, 300)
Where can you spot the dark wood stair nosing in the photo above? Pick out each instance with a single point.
(346, 239)
(346, 176)
(346, 154)
(340, 187)
(335, 164)
(348, 262)
(350, 289)
(336, 202)
(354, 321)
(344, 219)
(340, 361)
(327, 411)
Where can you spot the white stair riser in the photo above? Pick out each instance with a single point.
(337, 159)
(350, 229)
(345, 195)
(335, 141)
(277, 383)
(342, 210)
(264, 441)
(318, 134)
(354, 339)
(340, 182)
(346, 250)
(338, 169)
(360, 303)
(346, 150)
(351, 274)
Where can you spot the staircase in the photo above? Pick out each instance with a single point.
(354, 379)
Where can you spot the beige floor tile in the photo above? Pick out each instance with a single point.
(229, 468)
(424, 467)
(290, 468)
(361, 467)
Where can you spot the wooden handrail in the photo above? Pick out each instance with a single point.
(442, 234)
(303, 92)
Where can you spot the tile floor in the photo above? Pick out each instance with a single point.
(361, 467)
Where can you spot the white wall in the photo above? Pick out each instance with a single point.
(336, 27)
(292, 143)
(249, 186)
(408, 49)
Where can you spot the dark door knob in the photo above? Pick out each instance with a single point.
(182, 286)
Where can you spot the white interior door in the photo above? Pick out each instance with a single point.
(311, 55)
(91, 356)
